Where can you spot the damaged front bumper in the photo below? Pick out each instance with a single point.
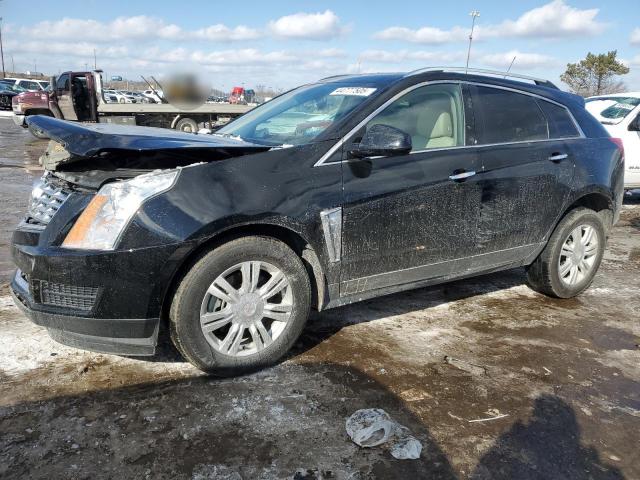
(102, 301)
(116, 336)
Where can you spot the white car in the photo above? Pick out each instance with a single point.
(154, 95)
(121, 96)
(28, 84)
(619, 113)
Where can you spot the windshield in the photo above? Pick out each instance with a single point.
(614, 113)
(299, 116)
(12, 86)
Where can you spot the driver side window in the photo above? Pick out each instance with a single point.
(62, 85)
(431, 115)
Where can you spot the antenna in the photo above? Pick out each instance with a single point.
(510, 65)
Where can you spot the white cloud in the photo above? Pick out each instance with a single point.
(523, 61)
(311, 26)
(553, 20)
(635, 37)
(331, 53)
(405, 56)
(140, 27)
(426, 35)
(221, 32)
(71, 49)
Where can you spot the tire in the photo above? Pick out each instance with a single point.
(545, 275)
(194, 303)
(187, 125)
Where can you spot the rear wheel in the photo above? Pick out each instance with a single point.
(241, 306)
(567, 265)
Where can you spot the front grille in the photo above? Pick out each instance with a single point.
(68, 296)
(46, 199)
(5, 102)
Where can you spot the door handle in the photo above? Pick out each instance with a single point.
(459, 177)
(557, 157)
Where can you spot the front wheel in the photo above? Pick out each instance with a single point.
(567, 265)
(241, 306)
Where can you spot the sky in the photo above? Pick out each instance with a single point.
(281, 44)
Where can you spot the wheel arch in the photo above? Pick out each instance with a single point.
(597, 200)
(289, 237)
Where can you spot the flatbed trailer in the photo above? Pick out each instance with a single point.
(78, 96)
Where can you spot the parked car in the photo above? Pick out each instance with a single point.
(28, 84)
(8, 90)
(139, 97)
(335, 192)
(153, 95)
(620, 115)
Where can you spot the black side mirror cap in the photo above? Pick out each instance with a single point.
(382, 141)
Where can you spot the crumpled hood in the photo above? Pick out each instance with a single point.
(89, 140)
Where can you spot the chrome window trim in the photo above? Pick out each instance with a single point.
(321, 162)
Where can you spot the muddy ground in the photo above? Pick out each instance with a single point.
(566, 375)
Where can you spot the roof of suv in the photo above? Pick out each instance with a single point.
(536, 86)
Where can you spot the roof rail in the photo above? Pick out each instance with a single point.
(496, 73)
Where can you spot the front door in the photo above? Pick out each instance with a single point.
(64, 97)
(408, 218)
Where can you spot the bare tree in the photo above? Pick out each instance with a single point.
(595, 75)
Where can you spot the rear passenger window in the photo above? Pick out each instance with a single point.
(502, 116)
(560, 123)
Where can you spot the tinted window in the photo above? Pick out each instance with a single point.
(560, 123)
(63, 83)
(502, 116)
(432, 115)
(31, 85)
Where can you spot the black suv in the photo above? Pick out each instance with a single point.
(338, 191)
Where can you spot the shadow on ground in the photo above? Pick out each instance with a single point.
(271, 424)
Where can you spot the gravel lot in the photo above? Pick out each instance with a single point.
(565, 373)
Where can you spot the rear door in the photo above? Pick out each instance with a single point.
(526, 149)
(65, 99)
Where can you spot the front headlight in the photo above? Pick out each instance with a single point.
(105, 218)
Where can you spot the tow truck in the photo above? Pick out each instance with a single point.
(78, 96)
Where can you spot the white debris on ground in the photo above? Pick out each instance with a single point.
(372, 427)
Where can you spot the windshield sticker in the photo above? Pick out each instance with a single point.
(353, 91)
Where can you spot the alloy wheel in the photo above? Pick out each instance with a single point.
(246, 308)
(578, 254)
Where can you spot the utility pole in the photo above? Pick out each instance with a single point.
(474, 14)
(95, 62)
(1, 49)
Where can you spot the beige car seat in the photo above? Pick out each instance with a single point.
(435, 127)
(429, 123)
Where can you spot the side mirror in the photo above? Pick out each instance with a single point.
(382, 141)
(634, 126)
